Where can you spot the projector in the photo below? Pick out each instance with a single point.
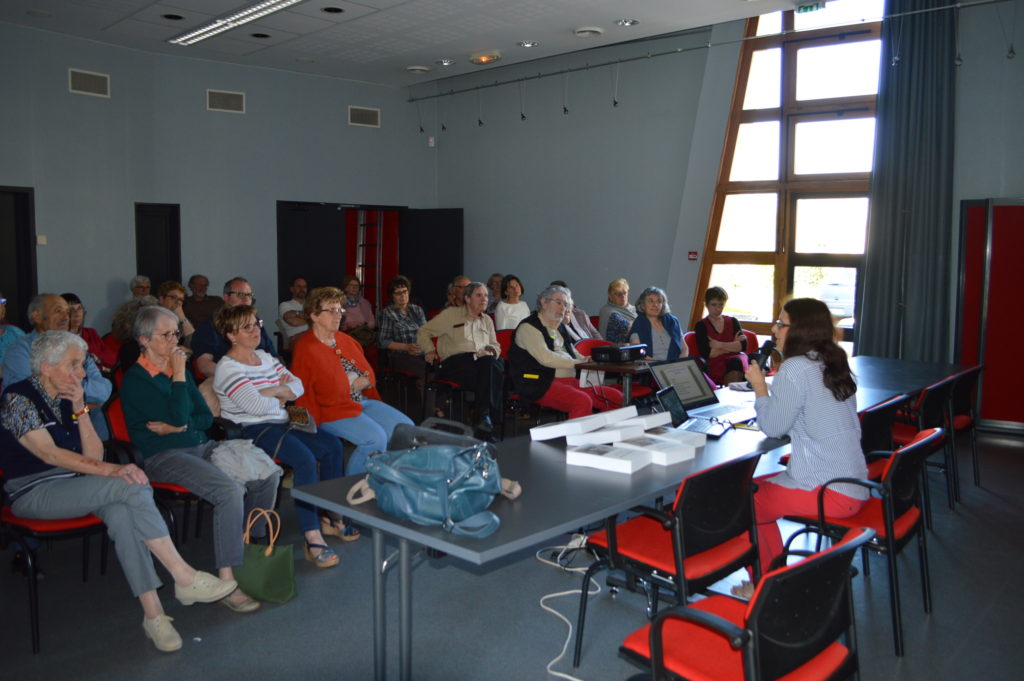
(615, 355)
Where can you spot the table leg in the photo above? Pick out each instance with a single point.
(627, 389)
(380, 643)
(404, 611)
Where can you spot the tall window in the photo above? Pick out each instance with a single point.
(791, 204)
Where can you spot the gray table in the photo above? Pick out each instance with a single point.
(899, 375)
(556, 499)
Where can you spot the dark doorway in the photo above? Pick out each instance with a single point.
(17, 251)
(310, 244)
(158, 242)
(430, 252)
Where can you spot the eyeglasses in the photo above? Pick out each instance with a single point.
(400, 292)
(177, 299)
(241, 294)
(169, 335)
(331, 310)
(778, 323)
(258, 324)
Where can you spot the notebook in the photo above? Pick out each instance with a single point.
(670, 402)
(696, 393)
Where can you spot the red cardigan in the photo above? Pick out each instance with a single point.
(327, 393)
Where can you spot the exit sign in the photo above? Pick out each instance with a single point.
(810, 7)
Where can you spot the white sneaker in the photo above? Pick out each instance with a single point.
(162, 633)
(205, 588)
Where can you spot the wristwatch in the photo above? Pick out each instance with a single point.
(79, 414)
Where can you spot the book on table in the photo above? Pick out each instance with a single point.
(583, 424)
(662, 452)
(678, 435)
(605, 435)
(652, 420)
(608, 457)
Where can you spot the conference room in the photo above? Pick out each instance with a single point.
(611, 161)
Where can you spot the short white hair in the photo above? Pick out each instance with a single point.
(50, 347)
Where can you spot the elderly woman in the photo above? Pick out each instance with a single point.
(813, 401)
(617, 314)
(358, 321)
(470, 355)
(166, 418)
(140, 286)
(720, 340)
(510, 310)
(341, 393)
(8, 332)
(543, 361)
(171, 295)
(399, 323)
(576, 320)
(122, 326)
(53, 462)
(253, 387)
(104, 356)
(656, 327)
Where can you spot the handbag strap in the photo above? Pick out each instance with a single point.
(360, 493)
(280, 440)
(479, 524)
(273, 530)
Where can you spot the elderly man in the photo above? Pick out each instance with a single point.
(470, 355)
(292, 321)
(49, 312)
(456, 292)
(140, 286)
(208, 346)
(199, 307)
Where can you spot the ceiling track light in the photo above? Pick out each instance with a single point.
(485, 58)
(240, 18)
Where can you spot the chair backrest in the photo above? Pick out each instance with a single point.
(876, 425)
(505, 341)
(585, 347)
(595, 320)
(115, 418)
(690, 339)
(964, 385)
(715, 505)
(800, 610)
(752, 343)
(933, 404)
(902, 475)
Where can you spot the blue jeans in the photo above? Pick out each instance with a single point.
(312, 457)
(369, 432)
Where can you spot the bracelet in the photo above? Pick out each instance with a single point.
(78, 414)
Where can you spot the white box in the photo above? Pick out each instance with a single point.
(605, 435)
(654, 420)
(608, 457)
(678, 435)
(584, 424)
(661, 452)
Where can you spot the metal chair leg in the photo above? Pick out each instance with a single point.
(578, 648)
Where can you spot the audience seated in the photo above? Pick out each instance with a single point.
(399, 323)
(469, 353)
(617, 315)
(456, 291)
(53, 462)
(121, 327)
(104, 357)
(49, 312)
(576, 321)
(208, 346)
(292, 321)
(493, 291)
(340, 385)
(171, 295)
(656, 327)
(720, 340)
(510, 310)
(358, 321)
(199, 307)
(543, 361)
(140, 286)
(8, 332)
(167, 419)
(253, 387)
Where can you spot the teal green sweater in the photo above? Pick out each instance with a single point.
(156, 398)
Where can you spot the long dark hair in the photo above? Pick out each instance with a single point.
(811, 330)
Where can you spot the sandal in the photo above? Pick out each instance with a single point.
(346, 533)
(325, 559)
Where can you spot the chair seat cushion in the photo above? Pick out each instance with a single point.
(41, 525)
(169, 487)
(903, 433)
(876, 468)
(699, 654)
(644, 539)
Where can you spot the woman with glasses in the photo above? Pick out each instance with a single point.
(812, 400)
(104, 356)
(358, 321)
(656, 326)
(171, 295)
(618, 314)
(253, 388)
(167, 419)
(720, 340)
(399, 323)
(340, 385)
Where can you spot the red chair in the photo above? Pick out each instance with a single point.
(163, 491)
(931, 410)
(752, 343)
(17, 529)
(708, 534)
(690, 341)
(895, 515)
(437, 386)
(515, 403)
(876, 434)
(799, 624)
(595, 321)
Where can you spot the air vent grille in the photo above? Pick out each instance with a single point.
(222, 100)
(89, 83)
(364, 116)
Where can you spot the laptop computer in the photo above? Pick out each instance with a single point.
(669, 400)
(696, 393)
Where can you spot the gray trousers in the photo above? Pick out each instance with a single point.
(231, 500)
(127, 510)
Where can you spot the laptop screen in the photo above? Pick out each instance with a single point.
(669, 399)
(686, 376)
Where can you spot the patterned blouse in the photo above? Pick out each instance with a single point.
(20, 416)
(396, 327)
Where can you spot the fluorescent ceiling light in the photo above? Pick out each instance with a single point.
(260, 9)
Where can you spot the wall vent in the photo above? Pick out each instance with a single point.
(222, 100)
(89, 83)
(364, 116)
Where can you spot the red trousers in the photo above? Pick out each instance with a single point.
(772, 502)
(566, 395)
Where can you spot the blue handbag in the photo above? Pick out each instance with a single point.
(446, 485)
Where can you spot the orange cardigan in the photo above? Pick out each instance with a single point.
(327, 393)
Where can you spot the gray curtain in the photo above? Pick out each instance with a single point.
(905, 293)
